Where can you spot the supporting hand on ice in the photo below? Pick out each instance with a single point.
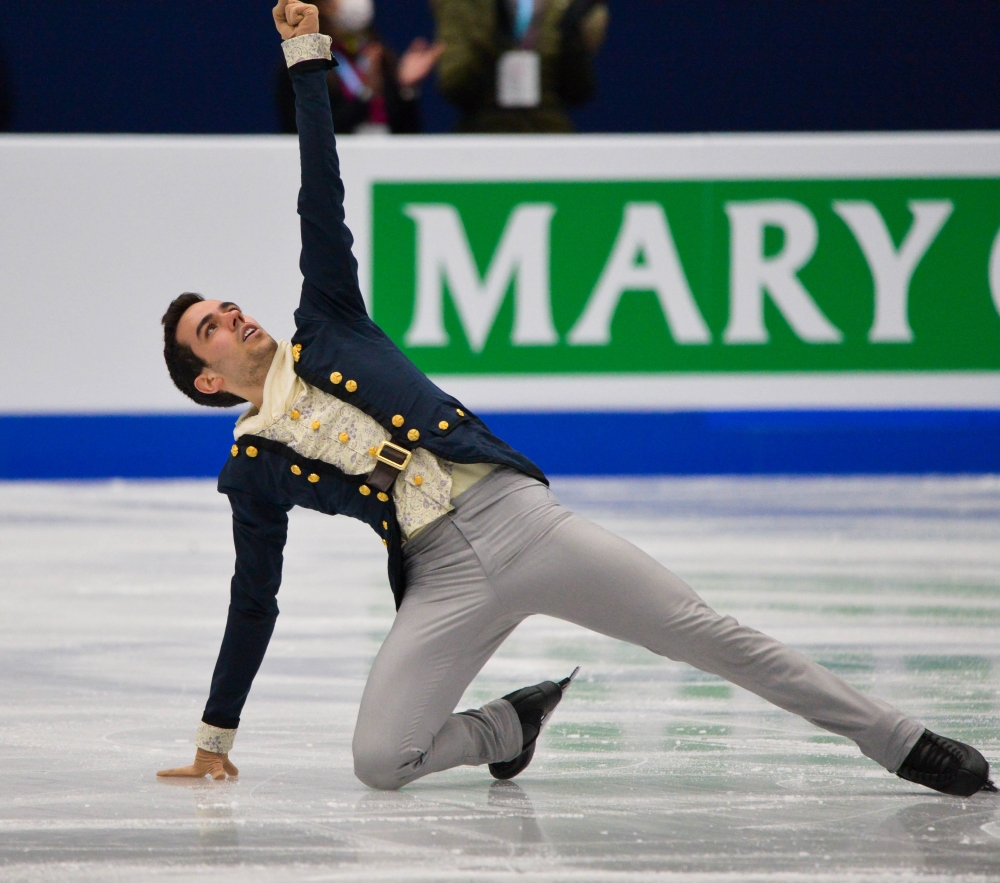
(293, 19)
(205, 764)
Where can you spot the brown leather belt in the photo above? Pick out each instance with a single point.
(392, 460)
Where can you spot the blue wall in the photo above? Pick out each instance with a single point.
(669, 65)
(726, 443)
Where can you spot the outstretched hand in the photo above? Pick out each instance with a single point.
(293, 18)
(205, 763)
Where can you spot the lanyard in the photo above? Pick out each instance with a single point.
(522, 19)
(349, 76)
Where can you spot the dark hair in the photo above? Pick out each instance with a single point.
(182, 364)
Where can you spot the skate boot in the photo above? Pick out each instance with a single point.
(947, 766)
(534, 705)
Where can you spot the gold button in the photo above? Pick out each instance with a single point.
(413, 435)
(296, 470)
(373, 451)
(385, 524)
(294, 414)
(313, 477)
(365, 490)
(350, 386)
(251, 451)
(383, 497)
(236, 450)
(398, 420)
(296, 351)
(460, 412)
(385, 543)
(315, 425)
(344, 438)
(444, 424)
(418, 480)
(336, 377)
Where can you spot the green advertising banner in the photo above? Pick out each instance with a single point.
(689, 276)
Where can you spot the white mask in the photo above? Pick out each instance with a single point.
(354, 16)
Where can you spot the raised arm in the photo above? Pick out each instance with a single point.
(328, 266)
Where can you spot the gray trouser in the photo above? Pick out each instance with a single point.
(509, 550)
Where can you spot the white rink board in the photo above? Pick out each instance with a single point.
(97, 234)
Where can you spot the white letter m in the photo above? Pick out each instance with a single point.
(444, 255)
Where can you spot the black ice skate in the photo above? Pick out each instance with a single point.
(534, 705)
(947, 766)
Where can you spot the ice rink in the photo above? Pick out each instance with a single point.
(113, 606)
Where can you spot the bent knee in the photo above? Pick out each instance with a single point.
(382, 770)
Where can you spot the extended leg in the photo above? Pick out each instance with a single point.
(620, 591)
(544, 559)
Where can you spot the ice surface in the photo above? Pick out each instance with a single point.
(112, 608)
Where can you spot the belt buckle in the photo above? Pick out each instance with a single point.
(383, 459)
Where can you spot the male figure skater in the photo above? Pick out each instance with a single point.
(340, 421)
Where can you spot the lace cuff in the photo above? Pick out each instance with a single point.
(214, 739)
(308, 47)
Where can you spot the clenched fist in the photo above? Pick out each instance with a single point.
(205, 762)
(293, 19)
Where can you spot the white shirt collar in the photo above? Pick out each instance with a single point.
(282, 388)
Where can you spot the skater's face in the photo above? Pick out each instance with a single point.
(235, 349)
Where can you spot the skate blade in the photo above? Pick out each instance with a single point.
(564, 684)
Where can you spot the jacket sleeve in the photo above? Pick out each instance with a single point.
(259, 532)
(403, 112)
(329, 269)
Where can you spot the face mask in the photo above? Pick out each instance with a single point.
(354, 16)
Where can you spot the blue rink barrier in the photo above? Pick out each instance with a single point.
(676, 443)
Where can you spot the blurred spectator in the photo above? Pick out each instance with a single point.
(6, 99)
(372, 90)
(513, 65)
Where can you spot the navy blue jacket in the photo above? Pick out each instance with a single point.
(344, 353)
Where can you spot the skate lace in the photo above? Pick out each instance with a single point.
(932, 758)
